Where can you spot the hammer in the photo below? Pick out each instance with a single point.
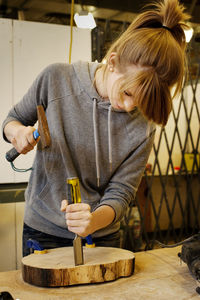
(42, 131)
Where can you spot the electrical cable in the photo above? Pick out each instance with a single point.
(71, 30)
(19, 170)
(180, 243)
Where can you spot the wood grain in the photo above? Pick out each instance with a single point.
(56, 267)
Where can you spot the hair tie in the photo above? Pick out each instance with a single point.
(152, 24)
(165, 27)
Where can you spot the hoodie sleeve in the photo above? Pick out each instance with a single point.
(25, 111)
(123, 185)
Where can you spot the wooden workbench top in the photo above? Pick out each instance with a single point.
(159, 274)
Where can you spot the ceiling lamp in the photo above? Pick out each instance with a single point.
(84, 19)
(188, 34)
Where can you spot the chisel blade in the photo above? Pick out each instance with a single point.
(78, 251)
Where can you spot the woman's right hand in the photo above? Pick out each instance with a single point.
(20, 136)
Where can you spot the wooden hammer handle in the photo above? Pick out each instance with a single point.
(12, 154)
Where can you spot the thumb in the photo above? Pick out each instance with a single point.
(64, 204)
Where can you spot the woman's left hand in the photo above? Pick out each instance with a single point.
(78, 217)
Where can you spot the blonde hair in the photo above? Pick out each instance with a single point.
(155, 41)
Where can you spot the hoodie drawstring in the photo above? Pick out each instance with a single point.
(96, 140)
(110, 138)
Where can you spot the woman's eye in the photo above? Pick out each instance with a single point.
(126, 93)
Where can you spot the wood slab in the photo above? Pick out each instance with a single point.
(56, 267)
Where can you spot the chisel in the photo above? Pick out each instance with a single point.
(75, 196)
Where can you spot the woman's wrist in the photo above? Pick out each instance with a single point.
(12, 129)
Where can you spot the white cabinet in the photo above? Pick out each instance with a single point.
(19, 221)
(26, 48)
(7, 237)
(6, 91)
(11, 226)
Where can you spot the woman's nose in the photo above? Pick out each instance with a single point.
(128, 104)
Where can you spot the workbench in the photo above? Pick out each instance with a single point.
(159, 274)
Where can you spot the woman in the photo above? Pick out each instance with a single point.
(102, 120)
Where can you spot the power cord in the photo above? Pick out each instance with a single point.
(19, 170)
(190, 254)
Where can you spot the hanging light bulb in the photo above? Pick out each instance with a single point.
(84, 19)
(188, 34)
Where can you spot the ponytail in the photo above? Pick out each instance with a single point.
(155, 41)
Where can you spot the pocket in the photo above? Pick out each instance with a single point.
(47, 204)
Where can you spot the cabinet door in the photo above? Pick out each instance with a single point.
(19, 229)
(7, 237)
(6, 89)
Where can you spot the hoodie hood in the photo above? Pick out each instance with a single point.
(85, 73)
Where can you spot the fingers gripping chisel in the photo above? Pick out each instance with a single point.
(74, 195)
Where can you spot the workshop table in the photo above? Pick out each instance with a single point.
(159, 274)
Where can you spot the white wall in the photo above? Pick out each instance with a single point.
(192, 109)
(25, 49)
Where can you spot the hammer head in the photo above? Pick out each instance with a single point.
(43, 127)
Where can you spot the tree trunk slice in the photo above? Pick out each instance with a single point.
(56, 267)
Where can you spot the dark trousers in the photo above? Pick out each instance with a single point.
(48, 241)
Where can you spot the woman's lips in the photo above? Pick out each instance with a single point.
(119, 107)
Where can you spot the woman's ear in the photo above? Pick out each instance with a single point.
(112, 62)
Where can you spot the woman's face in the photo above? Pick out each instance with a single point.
(127, 103)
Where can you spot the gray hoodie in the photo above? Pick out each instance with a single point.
(90, 140)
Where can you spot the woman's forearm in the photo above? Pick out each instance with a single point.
(102, 217)
(11, 130)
